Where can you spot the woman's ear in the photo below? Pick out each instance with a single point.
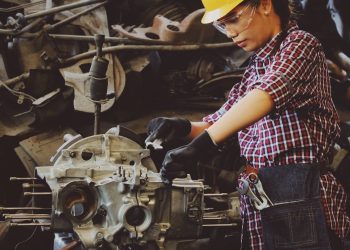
(266, 6)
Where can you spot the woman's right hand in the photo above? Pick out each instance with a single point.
(167, 129)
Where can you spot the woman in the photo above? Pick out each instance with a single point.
(286, 124)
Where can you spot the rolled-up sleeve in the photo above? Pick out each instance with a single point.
(287, 76)
(277, 86)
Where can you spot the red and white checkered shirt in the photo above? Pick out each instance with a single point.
(301, 128)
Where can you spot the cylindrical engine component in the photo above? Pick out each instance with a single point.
(98, 67)
(78, 201)
(135, 217)
(97, 84)
(97, 88)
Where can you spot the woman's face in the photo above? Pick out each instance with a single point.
(250, 27)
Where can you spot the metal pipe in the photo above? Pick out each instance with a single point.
(22, 178)
(21, 6)
(28, 27)
(60, 8)
(6, 32)
(29, 224)
(36, 185)
(99, 40)
(112, 49)
(97, 118)
(71, 18)
(23, 208)
(13, 81)
(214, 218)
(216, 195)
(27, 216)
(36, 193)
(221, 225)
(90, 38)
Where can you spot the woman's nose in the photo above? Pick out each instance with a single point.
(231, 31)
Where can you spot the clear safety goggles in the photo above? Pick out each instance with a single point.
(240, 20)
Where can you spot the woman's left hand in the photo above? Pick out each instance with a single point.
(178, 162)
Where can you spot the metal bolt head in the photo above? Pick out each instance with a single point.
(99, 235)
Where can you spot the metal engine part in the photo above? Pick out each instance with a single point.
(173, 10)
(104, 190)
(165, 30)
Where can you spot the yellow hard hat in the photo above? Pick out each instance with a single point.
(216, 9)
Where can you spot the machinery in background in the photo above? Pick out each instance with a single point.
(46, 49)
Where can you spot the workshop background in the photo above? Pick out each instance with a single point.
(90, 73)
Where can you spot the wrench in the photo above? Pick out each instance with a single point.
(156, 144)
(261, 191)
(254, 180)
(259, 203)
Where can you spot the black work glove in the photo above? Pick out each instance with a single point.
(178, 162)
(167, 129)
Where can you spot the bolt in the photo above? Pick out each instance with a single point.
(72, 154)
(99, 235)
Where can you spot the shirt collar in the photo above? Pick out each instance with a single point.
(266, 51)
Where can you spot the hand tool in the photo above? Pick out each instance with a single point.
(259, 197)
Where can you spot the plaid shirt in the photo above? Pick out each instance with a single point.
(301, 128)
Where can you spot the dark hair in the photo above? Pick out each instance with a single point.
(285, 9)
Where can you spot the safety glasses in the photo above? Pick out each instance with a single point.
(240, 20)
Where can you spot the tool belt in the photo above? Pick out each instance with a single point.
(295, 220)
(271, 184)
